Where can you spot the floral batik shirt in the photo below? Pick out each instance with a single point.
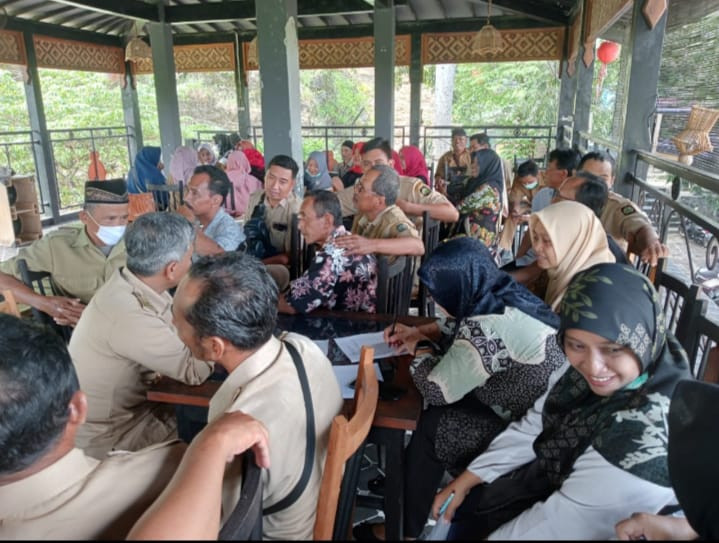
(336, 280)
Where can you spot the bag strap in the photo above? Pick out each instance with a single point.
(259, 211)
(296, 492)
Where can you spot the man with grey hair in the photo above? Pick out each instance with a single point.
(379, 225)
(125, 337)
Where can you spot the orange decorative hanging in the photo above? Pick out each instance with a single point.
(96, 171)
(607, 53)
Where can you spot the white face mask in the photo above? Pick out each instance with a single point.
(532, 185)
(109, 235)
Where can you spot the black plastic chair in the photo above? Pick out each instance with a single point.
(430, 238)
(245, 521)
(301, 253)
(394, 284)
(41, 282)
(164, 195)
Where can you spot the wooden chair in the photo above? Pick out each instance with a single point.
(394, 284)
(168, 197)
(8, 304)
(430, 238)
(41, 282)
(344, 453)
(245, 521)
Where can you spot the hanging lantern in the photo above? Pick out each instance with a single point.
(488, 41)
(607, 53)
(137, 48)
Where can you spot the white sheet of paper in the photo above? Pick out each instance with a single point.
(346, 374)
(323, 344)
(352, 345)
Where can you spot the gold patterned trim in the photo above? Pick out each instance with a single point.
(12, 48)
(520, 44)
(205, 57)
(601, 14)
(77, 55)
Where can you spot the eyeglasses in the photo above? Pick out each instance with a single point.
(359, 188)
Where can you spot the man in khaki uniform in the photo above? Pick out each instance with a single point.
(454, 163)
(125, 338)
(622, 218)
(263, 380)
(50, 490)
(280, 203)
(380, 226)
(80, 258)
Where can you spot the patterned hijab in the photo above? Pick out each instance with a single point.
(462, 277)
(579, 242)
(693, 425)
(628, 428)
(322, 180)
(414, 163)
(183, 163)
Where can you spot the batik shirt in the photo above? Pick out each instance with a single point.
(336, 280)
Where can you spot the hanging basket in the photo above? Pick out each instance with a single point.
(488, 41)
(694, 139)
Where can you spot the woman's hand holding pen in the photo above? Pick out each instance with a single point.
(404, 338)
(459, 488)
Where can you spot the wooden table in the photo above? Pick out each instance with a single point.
(392, 418)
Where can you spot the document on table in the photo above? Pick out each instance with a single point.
(347, 374)
(351, 346)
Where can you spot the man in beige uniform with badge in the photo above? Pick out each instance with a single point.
(51, 490)
(454, 163)
(225, 310)
(125, 338)
(79, 257)
(380, 226)
(414, 197)
(622, 218)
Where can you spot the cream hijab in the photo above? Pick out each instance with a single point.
(579, 242)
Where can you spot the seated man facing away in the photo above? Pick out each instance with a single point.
(49, 489)
(204, 206)
(79, 257)
(622, 218)
(334, 279)
(126, 337)
(380, 226)
(225, 310)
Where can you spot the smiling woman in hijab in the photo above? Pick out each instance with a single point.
(481, 369)
(595, 445)
(316, 175)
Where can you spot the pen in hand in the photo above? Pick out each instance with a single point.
(445, 505)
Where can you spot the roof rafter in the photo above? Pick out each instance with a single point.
(132, 9)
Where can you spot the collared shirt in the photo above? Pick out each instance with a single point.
(277, 219)
(622, 217)
(124, 339)
(336, 280)
(266, 386)
(77, 265)
(448, 161)
(391, 222)
(79, 497)
(542, 199)
(224, 231)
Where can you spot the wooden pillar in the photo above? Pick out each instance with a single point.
(168, 109)
(131, 111)
(243, 98)
(641, 98)
(583, 101)
(415, 91)
(384, 69)
(42, 145)
(567, 97)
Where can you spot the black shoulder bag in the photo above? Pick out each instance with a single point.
(296, 492)
(257, 236)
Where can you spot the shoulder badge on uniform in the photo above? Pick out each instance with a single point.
(628, 210)
(401, 227)
(425, 190)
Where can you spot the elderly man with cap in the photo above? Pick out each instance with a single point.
(455, 163)
(79, 257)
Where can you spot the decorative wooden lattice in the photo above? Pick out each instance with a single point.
(601, 14)
(337, 53)
(573, 43)
(12, 48)
(206, 57)
(523, 44)
(76, 55)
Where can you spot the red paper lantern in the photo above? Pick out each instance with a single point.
(608, 52)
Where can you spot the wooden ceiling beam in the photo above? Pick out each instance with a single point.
(130, 9)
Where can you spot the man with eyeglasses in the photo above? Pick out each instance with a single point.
(80, 258)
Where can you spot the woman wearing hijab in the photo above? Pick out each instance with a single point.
(316, 175)
(355, 172)
(147, 170)
(182, 164)
(693, 423)
(413, 162)
(243, 182)
(477, 374)
(595, 445)
(257, 162)
(206, 155)
(568, 238)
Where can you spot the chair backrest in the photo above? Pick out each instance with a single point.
(679, 301)
(344, 452)
(430, 238)
(164, 195)
(8, 304)
(703, 347)
(394, 281)
(41, 282)
(245, 521)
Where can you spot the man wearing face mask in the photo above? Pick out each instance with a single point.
(79, 257)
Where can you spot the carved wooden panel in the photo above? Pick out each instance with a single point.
(337, 53)
(206, 57)
(76, 55)
(601, 14)
(520, 44)
(12, 47)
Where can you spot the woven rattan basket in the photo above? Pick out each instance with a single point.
(694, 139)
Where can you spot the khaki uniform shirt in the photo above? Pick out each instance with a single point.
(267, 387)
(390, 223)
(622, 217)
(278, 219)
(447, 161)
(77, 266)
(124, 339)
(79, 497)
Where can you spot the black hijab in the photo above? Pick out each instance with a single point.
(627, 428)
(489, 167)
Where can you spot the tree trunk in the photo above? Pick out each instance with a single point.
(443, 94)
